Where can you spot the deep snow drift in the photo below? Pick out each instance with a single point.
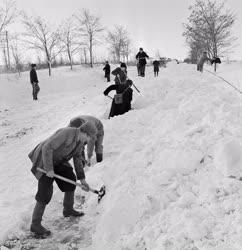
(165, 164)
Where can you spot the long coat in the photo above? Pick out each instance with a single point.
(141, 56)
(202, 60)
(33, 76)
(125, 106)
(156, 64)
(107, 70)
(63, 145)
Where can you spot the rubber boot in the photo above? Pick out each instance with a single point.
(99, 157)
(68, 205)
(36, 226)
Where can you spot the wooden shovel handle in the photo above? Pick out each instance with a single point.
(66, 179)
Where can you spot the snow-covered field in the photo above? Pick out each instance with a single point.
(166, 162)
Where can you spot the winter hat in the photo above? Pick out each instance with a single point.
(123, 65)
(33, 65)
(76, 122)
(89, 129)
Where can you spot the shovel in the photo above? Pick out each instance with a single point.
(100, 192)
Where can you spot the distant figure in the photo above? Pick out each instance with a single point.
(122, 100)
(107, 71)
(96, 142)
(215, 60)
(120, 74)
(141, 57)
(156, 65)
(202, 60)
(34, 81)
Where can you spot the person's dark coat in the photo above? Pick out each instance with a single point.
(141, 56)
(120, 76)
(33, 76)
(156, 65)
(215, 60)
(125, 106)
(107, 70)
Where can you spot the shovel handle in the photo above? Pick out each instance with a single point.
(136, 88)
(66, 180)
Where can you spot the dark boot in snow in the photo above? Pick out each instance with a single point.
(68, 205)
(36, 226)
(99, 157)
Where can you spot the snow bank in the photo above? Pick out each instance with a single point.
(229, 158)
(164, 162)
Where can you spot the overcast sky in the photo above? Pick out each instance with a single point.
(152, 24)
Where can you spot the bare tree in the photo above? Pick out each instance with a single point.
(70, 39)
(16, 53)
(119, 43)
(8, 13)
(40, 37)
(127, 50)
(91, 28)
(209, 28)
(5, 55)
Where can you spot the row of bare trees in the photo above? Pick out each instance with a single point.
(82, 31)
(119, 43)
(209, 29)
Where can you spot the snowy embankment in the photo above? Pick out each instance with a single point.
(165, 164)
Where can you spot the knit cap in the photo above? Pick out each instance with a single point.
(89, 129)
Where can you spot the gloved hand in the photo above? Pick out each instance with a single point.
(105, 93)
(50, 174)
(129, 82)
(85, 186)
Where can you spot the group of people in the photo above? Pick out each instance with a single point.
(52, 156)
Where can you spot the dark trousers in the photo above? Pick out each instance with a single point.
(36, 90)
(107, 75)
(142, 70)
(45, 183)
(138, 69)
(200, 67)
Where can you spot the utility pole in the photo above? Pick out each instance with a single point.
(8, 50)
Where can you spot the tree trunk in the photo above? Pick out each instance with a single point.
(49, 67)
(85, 56)
(91, 62)
(90, 50)
(70, 58)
